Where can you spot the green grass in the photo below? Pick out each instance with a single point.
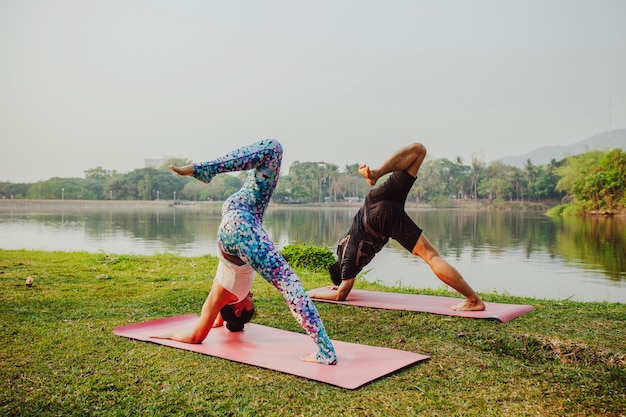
(59, 356)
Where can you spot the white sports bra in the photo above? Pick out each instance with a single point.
(236, 279)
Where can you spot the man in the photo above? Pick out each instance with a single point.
(381, 217)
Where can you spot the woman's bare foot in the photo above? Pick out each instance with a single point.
(368, 174)
(311, 357)
(467, 305)
(184, 171)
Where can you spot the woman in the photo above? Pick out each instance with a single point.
(244, 247)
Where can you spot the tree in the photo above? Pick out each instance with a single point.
(328, 173)
(496, 183)
(313, 180)
(476, 169)
(222, 186)
(603, 187)
(96, 179)
(544, 185)
(282, 193)
(304, 180)
(455, 177)
(429, 184)
(144, 184)
(60, 188)
(575, 167)
(99, 173)
(519, 186)
(350, 185)
(10, 190)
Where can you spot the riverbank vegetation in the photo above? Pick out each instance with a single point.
(593, 182)
(59, 355)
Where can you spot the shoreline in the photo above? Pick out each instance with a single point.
(24, 203)
(408, 289)
(468, 205)
(367, 284)
(480, 205)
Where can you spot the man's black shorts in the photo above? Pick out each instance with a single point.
(384, 210)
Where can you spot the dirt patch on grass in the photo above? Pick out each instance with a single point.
(531, 347)
(571, 352)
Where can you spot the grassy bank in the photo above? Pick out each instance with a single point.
(59, 356)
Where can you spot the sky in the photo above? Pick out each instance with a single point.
(86, 83)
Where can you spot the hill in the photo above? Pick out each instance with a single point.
(602, 141)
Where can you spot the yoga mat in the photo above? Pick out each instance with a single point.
(280, 350)
(430, 304)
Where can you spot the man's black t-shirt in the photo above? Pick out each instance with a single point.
(382, 216)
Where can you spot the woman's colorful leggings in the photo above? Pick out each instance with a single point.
(241, 232)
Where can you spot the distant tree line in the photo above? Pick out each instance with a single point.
(593, 181)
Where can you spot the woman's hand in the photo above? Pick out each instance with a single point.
(185, 338)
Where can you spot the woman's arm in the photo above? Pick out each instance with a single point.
(219, 321)
(218, 297)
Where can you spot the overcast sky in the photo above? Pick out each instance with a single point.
(87, 83)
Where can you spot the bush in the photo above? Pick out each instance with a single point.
(308, 257)
(569, 209)
(556, 210)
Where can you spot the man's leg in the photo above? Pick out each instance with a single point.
(448, 274)
(407, 159)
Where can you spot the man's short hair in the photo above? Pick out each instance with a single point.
(335, 273)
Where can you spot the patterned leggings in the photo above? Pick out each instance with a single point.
(241, 232)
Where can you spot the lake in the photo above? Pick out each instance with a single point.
(517, 253)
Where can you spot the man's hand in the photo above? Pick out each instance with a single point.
(320, 292)
(333, 293)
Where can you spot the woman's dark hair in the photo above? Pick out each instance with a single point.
(335, 273)
(234, 323)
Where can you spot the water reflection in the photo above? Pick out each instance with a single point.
(520, 253)
(595, 242)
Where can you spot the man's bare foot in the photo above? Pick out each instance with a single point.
(468, 305)
(368, 174)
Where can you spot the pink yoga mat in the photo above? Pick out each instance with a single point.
(430, 304)
(280, 350)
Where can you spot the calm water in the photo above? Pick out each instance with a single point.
(525, 254)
